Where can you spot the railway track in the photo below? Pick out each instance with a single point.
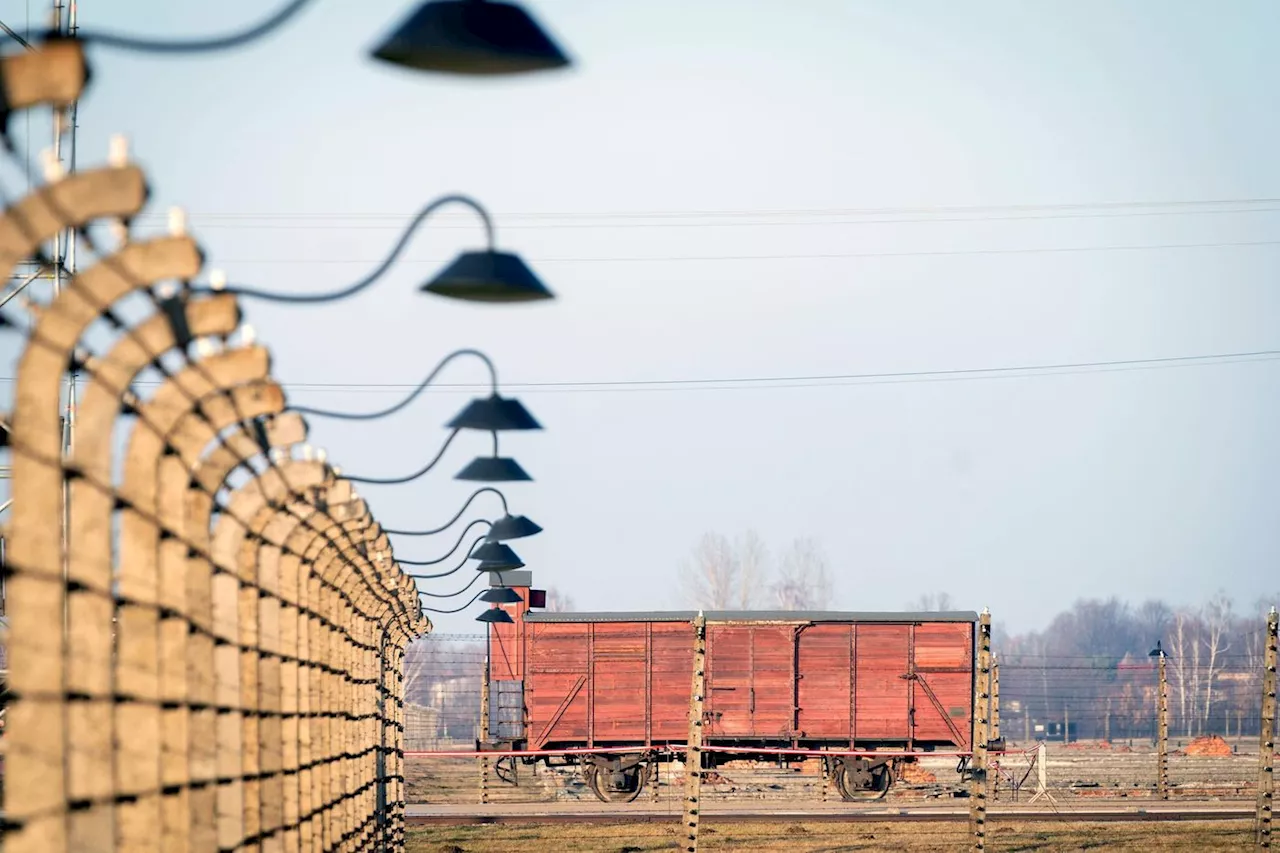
(585, 813)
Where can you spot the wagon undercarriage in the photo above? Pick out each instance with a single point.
(622, 777)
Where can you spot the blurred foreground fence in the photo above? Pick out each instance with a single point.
(207, 627)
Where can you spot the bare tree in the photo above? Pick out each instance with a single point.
(932, 602)
(559, 602)
(1180, 643)
(721, 575)
(753, 568)
(1152, 619)
(803, 581)
(415, 670)
(1217, 623)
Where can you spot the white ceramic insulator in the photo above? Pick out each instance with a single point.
(177, 222)
(118, 151)
(119, 231)
(308, 452)
(166, 290)
(51, 166)
(247, 334)
(321, 454)
(217, 279)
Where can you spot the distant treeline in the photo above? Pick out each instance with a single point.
(1093, 668)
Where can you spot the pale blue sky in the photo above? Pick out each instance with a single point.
(1016, 493)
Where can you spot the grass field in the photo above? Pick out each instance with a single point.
(832, 838)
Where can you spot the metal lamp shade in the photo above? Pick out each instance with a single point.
(500, 565)
(501, 595)
(471, 37)
(495, 552)
(488, 276)
(512, 527)
(492, 469)
(496, 615)
(494, 414)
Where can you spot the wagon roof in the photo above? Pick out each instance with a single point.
(756, 616)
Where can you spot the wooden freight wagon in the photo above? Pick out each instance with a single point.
(893, 682)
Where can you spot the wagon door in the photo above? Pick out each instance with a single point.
(555, 682)
(943, 682)
(728, 700)
(619, 688)
(772, 696)
(881, 699)
(826, 654)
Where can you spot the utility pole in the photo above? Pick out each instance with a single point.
(64, 243)
(981, 729)
(1162, 723)
(1106, 723)
(484, 724)
(1267, 738)
(1066, 725)
(995, 698)
(693, 758)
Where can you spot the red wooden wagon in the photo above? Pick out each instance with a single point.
(887, 682)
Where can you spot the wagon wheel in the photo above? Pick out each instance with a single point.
(601, 783)
(857, 782)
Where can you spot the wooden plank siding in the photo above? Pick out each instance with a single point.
(835, 683)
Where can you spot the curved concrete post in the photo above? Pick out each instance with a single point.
(230, 536)
(208, 477)
(185, 412)
(38, 752)
(278, 617)
(320, 640)
(132, 672)
(277, 532)
(91, 610)
(72, 202)
(239, 537)
(51, 74)
(293, 736)
(349, 567)
(189, 483)
(337, 566)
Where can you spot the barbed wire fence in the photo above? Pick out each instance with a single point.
(1110, 749)
(206, 630)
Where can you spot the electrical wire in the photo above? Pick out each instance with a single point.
(395, 481)
(382, 413)
(972, 213)
(456, 609)
(199, 45)
(470, 552)
(378, 271)
(451, 551)
(815, 380)
(457, 516)
(453, 594)
(634, 259)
